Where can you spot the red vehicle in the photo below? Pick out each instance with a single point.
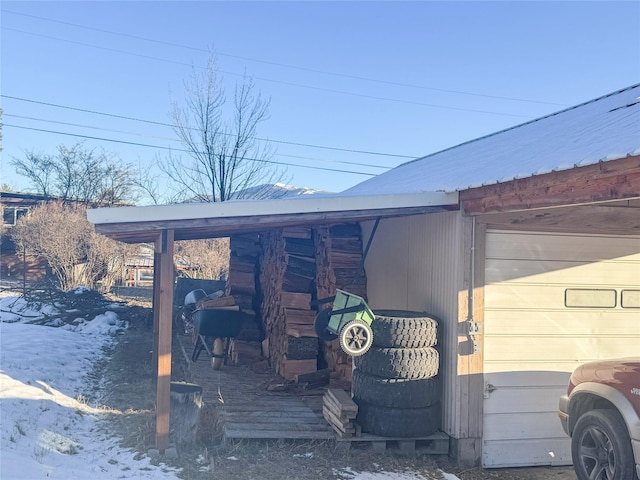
(601, 414)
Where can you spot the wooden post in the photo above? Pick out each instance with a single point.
(164, 308)
(156, 303)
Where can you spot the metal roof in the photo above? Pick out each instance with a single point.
(206, 220)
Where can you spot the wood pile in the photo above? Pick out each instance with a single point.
(287, 275)
(241, 283)
(339, 265)
(340, 411)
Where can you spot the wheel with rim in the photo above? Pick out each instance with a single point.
(218, 352)
(320, 324)
(356, 337)
(601, 447)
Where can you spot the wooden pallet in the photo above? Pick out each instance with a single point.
(436, 444)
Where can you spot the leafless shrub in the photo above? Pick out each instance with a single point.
(62, 236)
(207, 258)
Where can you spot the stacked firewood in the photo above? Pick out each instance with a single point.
(241, 283)
(340, 411)
(339, 265)
(287, 275)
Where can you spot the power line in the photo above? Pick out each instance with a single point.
(321, 89)
(306, 69)
(89, 137)
(153, 122)
(102, 129)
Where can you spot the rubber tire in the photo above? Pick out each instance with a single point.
(218, 349)
(399, 422)
(609, 426)
(356, 338)
(404, 329)
(412, 363)
(396, 392)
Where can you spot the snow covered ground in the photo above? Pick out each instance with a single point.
(48, 428)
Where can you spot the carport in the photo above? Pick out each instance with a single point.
(162, 225)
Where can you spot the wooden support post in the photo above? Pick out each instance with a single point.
(156, 304)
(164, 314)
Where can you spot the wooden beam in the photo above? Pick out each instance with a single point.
(156, 303)
(601, 182)
(165, 314)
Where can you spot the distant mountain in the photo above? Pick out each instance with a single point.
(277, 190)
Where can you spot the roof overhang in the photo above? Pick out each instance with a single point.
(207, 220)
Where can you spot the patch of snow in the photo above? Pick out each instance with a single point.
(47, 429)
(80, 290)
(350, 474)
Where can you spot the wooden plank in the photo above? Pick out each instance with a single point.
(232, 433)
(282, 426)
(296, 300)
(165, 307)
(343, 399)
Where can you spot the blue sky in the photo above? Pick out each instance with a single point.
(403, 79)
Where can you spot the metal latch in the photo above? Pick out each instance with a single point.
(488, 389)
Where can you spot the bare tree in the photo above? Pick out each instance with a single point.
(61, 235)
(225, 159)
(79, 174)
(207, 258)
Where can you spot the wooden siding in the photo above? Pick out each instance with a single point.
(533, 342)
(419, 263)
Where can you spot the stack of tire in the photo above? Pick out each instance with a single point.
(396, 384)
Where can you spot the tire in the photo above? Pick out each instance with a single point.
(356, 338)
(218, 349)
(404, 329)
(396, 392)
(601, 447)
(398, 422)
(411, 363)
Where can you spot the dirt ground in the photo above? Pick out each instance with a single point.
(129, 390)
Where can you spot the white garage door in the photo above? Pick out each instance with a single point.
(551, 303)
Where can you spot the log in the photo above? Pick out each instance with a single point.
(185, 406)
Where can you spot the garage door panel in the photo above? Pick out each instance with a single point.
(532, 341)
(523, 426)
(509, 399)
(548, 451)
(563, 272)
(567, 322)
(563, 348)
(583, 248)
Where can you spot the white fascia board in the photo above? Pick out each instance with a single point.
(288, 206)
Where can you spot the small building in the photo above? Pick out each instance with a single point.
(525, 244)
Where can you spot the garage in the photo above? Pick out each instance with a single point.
(552, 302)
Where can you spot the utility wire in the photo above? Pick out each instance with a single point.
(306, 69)
(322, 89)
(153, 122)
(102, 129)
(183, 150)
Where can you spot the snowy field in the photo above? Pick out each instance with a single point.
(49, 426)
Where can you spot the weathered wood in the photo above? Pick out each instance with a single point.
(315, 379)
(343, 400)
(186, 404)
(296, 300)
(604, 181)
(291, 368)
(164, 247)
(301, 348)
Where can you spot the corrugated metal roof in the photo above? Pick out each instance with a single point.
(606, 128)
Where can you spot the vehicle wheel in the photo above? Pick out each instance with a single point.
(601, 447)
(218, 349)
(398, 422)
(404, 329)
(356, 338)
(399, 362)
(396, 392)
(320, 324)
